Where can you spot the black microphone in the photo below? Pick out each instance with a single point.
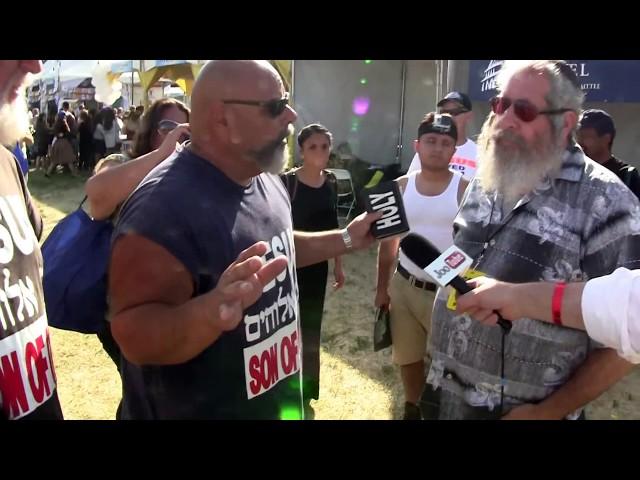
(443, 268)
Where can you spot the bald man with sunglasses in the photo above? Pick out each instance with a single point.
(203, 288)
(538, 210)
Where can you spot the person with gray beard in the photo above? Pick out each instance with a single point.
(27, 376)
(202, 280)
(538, 210)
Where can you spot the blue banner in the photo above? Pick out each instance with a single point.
(601, 80)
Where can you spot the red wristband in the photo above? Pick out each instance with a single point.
(556, 303)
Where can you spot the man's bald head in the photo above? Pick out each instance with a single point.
(225, 79)
(231, 79)
(228, 118)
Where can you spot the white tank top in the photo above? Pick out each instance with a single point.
(430, 216)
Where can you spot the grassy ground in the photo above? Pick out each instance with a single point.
(356, 383)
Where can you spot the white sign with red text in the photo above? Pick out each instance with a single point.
(272, 360)
(27, 378)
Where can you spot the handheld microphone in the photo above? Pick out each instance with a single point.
(443, 268)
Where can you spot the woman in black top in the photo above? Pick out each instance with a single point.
(85, 133)
(313, 195)
(42, 138)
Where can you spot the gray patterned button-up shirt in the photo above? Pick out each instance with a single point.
(581, 225)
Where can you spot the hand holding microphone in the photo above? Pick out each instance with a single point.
(491, 297)
(443, 268)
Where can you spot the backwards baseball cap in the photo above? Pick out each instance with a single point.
(442, 124)
(459, 97)
(599, 120)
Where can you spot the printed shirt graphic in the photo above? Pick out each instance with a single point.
(27, 376)
(583, 225)
(464, 160)
(205, 220)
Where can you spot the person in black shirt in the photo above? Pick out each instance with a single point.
(85, 134)
(43, 137)
(596, 132)
(313, 193)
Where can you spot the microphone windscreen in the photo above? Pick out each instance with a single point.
(419, 250)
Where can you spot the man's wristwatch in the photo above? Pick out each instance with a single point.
(347, 238)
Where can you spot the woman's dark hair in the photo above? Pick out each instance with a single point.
(61, 126)
(149, 124)
(41, 122)
(52, 117)
(85, 118)
(108, 118)
(309, 130)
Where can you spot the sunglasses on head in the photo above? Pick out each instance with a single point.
(524, 109)
(274, 108)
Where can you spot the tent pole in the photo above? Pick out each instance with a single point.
(293, 82)
(451, 75)
(59, 86)
(402, 100)
(439, 82)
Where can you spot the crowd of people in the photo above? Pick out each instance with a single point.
(77, 140)
(218, 266)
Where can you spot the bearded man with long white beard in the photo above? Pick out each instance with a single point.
(27, 377)
(538, 210)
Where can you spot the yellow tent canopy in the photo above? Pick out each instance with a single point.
(184, 74)
(284, 69)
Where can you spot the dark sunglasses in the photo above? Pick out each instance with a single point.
(455, 112)
(273, 107)
(524, 109)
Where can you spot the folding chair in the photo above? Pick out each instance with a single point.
(346, 192)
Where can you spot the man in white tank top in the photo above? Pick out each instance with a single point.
(431, 197)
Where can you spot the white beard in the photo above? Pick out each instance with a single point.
(516, 171)
(273, 158)
(14, 120)
(277, 162)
